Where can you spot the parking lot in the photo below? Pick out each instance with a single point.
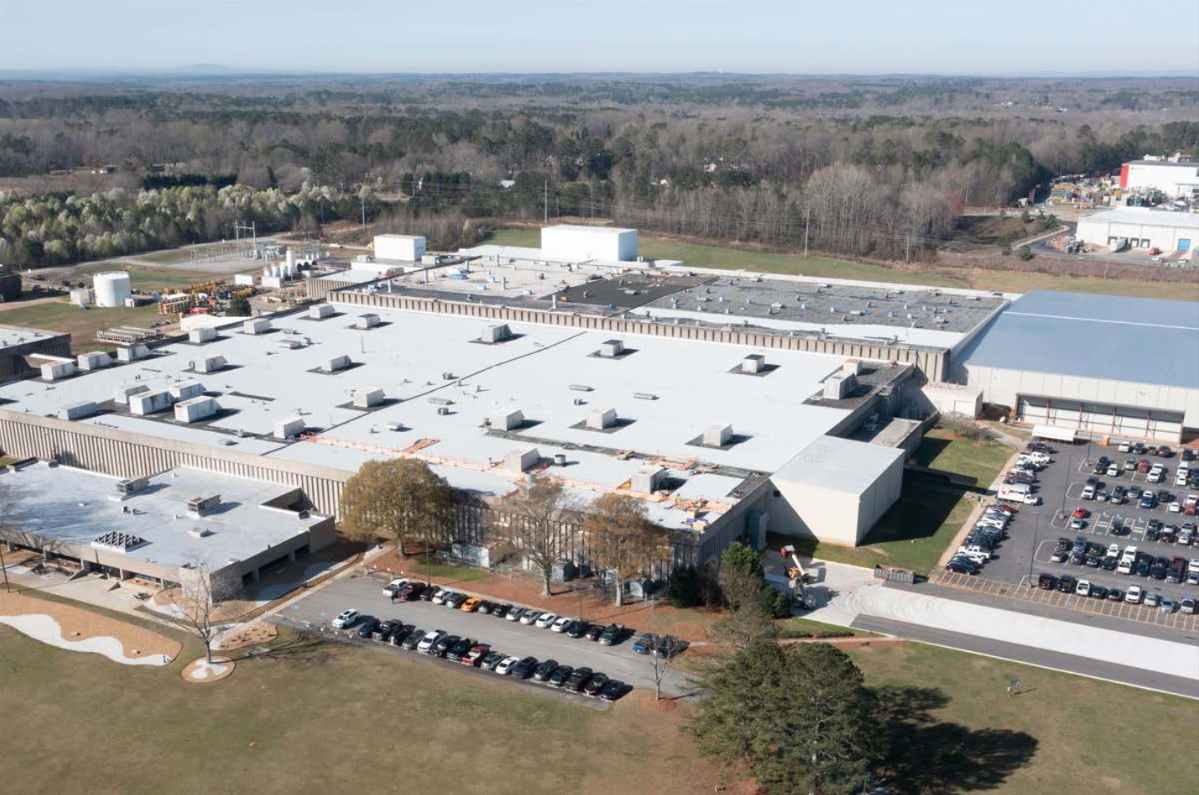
(1035, 530)
(316, 611)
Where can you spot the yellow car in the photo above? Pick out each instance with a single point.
(472, 604)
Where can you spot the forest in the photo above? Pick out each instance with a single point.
(869, 167)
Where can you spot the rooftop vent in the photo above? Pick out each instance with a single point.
(649, 479)
(132, 485)
(199, 532)
(754, 363)
(335, 363)
(600, 419)
(366, 321)
(580, 388)
(121, 542)
(507, 419)
(522, 459)
(610, 349)
(718, 435)
(497, 332)
(199, 506)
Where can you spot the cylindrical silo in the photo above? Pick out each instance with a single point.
(291, 264)
(111, 289)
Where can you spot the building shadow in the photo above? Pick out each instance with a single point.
(922, 754)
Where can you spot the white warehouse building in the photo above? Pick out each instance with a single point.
(1095, 364)
(580, 243)
(1142, 227)
(1173, 176)
(405, 248)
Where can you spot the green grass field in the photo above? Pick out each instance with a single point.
(917, 528)
(148, 279)
(731, 257)
(324, 717)
(81, 324)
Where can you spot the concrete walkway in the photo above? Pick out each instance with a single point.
(849, 596)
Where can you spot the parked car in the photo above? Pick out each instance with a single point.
(505, 665)
(382, 630)
(1152, 599)
(413, 639)
(593, 632)
(962, 566)
(544, 670)
(477, 654)
(442, 646)
(530, 616)
(1134, 595)
(595, 685)
(1046, 582)
(399, 633)
(366, 626)
(471, 604)
(345, 619)
(611, 634)
(560, 675)
(491, 660)
(411, 591)
(668, 646)
(484, 607)
(514, 613)
(1066, 583)
(454, 652)
(500, 610)
(392, 587)
(431, 639)
(523, 668)
(1187, 605)
(577, 629)
(578, 677)
(545, 620)
(439, 596)
(1115, 595)
(613, 690)
(455, 601)
(1168, 605)
(428, 593)
(562, 624)
(644, 644)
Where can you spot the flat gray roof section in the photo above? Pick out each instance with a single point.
(75, 506)
(839, 464)
(1137, 340)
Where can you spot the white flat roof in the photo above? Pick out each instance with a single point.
(1146, 216)
(839, 464)
(75, 506)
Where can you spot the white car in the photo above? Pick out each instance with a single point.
(394, 585)
(530, 616)
(506, 665)
(561, 624)
(1083, 588)
(345, 618)
(1134, 595)
(427, 643)
(439, 597)
(546, 619)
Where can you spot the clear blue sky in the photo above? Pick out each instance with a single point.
(981, 37)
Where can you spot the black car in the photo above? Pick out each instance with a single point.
(1098, 592)
(454, 601)
(1046, 582)
(442, 646)
(545, 670)
(1077, 558)
(577, 629)
(492, 659)
(613, 690)
(560, 675)
(427, 594)
(366, 626)
(1115, 595)
(612, 634)
(962, 566)
(500, 610)
(413, 639)
(595, 685)
(1168, 534)
(1153, 533)
(668, 646)
(1144, 566)
(456, 652)
(1110, 563)
(1158, 570)
(1066, 583)
(1118, 528)
(523, 669)
(485, 607)
(593, 632)
(381, 631)
(578, 677)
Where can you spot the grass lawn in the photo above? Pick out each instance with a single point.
(323, 717)
(317, 717)
(962, 733)
(911, 535)
(981, 459)
(726, 256)
(148, 279)
(81, 324)
(457, 573)
(806, 627)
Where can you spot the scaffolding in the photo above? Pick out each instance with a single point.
(128, 335)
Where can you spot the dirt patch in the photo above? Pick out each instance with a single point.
(78, 624)
(239, 636)
(202, 672)
(648, 703)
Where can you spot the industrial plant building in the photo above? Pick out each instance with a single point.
(1175, 176)
(1095, 364)
(163, 528)
(1141, 228)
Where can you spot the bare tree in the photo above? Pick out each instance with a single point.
(401, 499)
(538, 522)
(196, 601)
(9, 500)
(622, 538)
(662, 652)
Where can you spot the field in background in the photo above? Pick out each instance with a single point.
(322, 717)
(81, 324)
(730, 257)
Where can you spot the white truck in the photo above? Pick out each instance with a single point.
(1127, 561)
(1018, 492)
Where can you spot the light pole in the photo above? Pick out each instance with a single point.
(4, 567)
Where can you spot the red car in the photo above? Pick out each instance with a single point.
(476, 655)
(1143, 465)
(1080, 513)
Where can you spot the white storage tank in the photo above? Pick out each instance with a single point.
(111, 289)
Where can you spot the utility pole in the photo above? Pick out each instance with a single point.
(546, 201)
(3, 567)
(807, 225)
(363, 200)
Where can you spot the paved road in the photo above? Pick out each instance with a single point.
(1100, 669)
(364, 593)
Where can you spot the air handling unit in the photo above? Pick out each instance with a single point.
(258, 325)
(601, 419)
(506, 420)
(208, 364)
(320, 311)
(201, 335)
(521, 460)
(753, 364)
(649, 479)
(611, 349)
(496, 332)
(195, 409)
(88, 362)
(718, 435)
(289, 427)
(335, 363)
(366, 321)
(582, 243)
(77, 411)
(367, 397)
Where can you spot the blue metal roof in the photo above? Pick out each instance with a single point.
(1140, 340)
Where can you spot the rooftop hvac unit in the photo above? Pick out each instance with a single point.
(367, 397)
(320, 311)
(209, 364)
(580, 387)
(521, 460)
(366, 321)
(195, 409)
(440, 401)
(132, 353)
(199, 532)
(754, 363)
(132, 485)
(497, 332)
(335, 363)
(852, 366)
(839, 386)
(600, 419)
(507, 420)
(289, 427)
(57, 371)
(199, 506)
(645, 396)
(77, 411)
(718, 435)
(201, 335)
(256, 326)
(443, 410)
(610, 349)
(649, 479)
(185, 390)
(559, 459)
